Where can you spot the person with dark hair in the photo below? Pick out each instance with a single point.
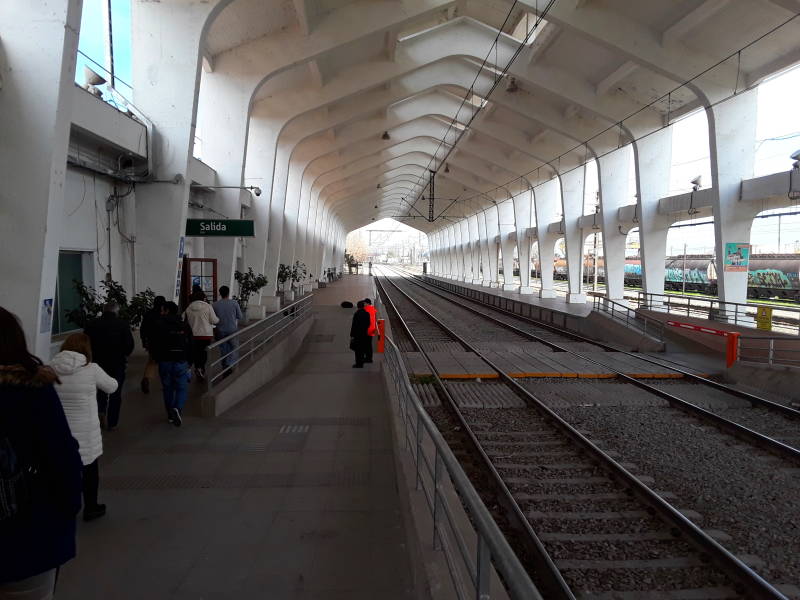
(80, 379)
(112, 343)
(373, 328)
(359, 336)
(149, 321)
(40, 471)
(229, 313)
(201, 318)
(171, 347)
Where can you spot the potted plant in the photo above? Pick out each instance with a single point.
(91, 301)
(298, 273)
(249, 284)
(285, 275)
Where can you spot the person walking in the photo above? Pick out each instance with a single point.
(112, 343)
(38, 455)
(359, 336)
(229, 314)
(171, 347)
(201, 318)
(146, 331)
(373, 328)
(80, 379)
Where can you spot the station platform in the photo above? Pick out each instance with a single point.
(292, 494)
(558, 304)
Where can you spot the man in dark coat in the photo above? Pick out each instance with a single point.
(359, 335)
(112, 343)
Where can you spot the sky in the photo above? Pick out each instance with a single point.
(777, 136)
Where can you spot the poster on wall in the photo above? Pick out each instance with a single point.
(46, 318)
(737, 257)
(178, 279)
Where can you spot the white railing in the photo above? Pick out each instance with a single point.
(244, 346)
(436, 466)
(622, 313)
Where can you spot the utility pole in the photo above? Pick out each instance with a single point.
(684, 269)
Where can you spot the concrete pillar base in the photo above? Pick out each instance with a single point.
(576, 298)
(477, 282)
(315, 285)
(547, 293)
(486, 283)
(510, 287)
(526, 289)
(255, 312)
(494, 284)
(288, 296)
(271, 304)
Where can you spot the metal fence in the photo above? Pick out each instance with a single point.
(468, 561)
(769, 350)
(622, 313)
(785, 319)
(245, 345)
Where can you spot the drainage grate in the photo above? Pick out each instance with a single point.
(321, 338)
(294, 429)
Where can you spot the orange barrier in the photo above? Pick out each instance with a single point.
(732, 349)
(381, 335)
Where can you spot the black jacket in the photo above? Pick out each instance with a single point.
(171, 340)
(112, 341)
(360, 326)
(31, 418)
(149, 323)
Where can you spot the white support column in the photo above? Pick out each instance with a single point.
(613, 173)
(492, 232)
(522, 221)
(572, 191)
(222, 116)
(475, 246)
(458, 252)
(732, 132)
(166, 77)
(508, 231)
(548, 197)
(653, 161)
(38, 44)
(466, 251)
(452, 267)
(483, 242)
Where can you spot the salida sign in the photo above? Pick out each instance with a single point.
(220, 228)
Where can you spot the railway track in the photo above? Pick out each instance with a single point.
(764, 423)
(588, 526)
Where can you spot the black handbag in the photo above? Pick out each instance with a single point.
(15, 482)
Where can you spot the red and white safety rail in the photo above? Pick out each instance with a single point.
(732, 348)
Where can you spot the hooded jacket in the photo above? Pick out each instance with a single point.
(201, 318)
(112, 341)
(78, 394)
(31, 418)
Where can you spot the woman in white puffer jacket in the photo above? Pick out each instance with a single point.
(80, 380)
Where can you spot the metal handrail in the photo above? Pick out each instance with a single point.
(770, 350)
(491, 544)
(248, 341)
(625, 314)
(714, 309)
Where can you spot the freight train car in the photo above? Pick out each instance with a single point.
(770, 275)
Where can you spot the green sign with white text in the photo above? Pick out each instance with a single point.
(220, 228)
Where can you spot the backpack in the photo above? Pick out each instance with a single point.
(175, 341)
(15, 494)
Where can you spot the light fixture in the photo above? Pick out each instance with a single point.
(377, 187)
(512, 85)
(386, 136)
(255, 189)
(92, 79)
(376, 206)
(446, 168)
(696, 183)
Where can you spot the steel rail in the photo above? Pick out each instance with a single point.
(754, 584)
(752, 398)
(546, 569)
(765, 442)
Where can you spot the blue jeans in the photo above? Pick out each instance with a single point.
(175, 378)
(231, 348)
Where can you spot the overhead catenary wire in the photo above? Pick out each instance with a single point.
(636, 112)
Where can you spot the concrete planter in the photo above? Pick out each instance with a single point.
(255, 312)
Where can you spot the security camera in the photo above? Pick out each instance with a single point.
(796, 158)
(257, 191)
